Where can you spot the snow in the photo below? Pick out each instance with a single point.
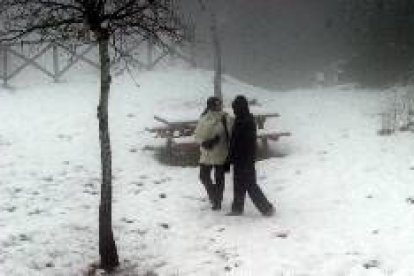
(342, 192)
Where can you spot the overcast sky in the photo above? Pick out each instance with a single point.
(270, 42)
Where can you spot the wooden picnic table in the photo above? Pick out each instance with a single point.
(184, 128)
(180, 128)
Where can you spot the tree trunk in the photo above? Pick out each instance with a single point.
(216, 47)
(217, 58)
(107, 248)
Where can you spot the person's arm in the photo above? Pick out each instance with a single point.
(251, 140)
(200, 131)
(210, 143)
(235, 133)
(202, 134)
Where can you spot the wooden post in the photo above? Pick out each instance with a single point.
(173, 57)
(55, 63)
(193, 59)
(150, 52)
(169, 147)
(260, 120)
(4, 50)
(217, 58)
(265, 144)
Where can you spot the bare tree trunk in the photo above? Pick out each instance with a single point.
(107, 246)
(217, 58)
(216, 47)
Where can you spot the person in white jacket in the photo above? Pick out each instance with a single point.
(213, 135)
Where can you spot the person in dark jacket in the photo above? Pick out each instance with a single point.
(242, 155)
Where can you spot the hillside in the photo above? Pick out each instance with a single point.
(343, 194)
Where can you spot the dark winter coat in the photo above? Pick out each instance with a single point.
(243, 142)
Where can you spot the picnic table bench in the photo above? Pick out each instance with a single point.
(185, 128)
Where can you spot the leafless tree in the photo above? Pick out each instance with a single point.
(209, 7)
(108, 21)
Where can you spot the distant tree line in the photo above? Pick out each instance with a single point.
(380, 36)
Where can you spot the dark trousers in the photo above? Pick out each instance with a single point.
(214, 190)
(245, 182)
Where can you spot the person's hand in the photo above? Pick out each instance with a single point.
(210, 143)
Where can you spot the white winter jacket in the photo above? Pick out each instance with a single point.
(210, 125)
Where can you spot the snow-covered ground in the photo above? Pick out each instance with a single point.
(342, 192)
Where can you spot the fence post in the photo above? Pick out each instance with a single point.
(55, 62)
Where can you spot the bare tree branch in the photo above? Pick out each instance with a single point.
(105, 19)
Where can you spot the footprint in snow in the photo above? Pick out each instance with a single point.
(89, 185)
(48, 178)
(140, 232)
(410, 200)
(371, 264)
(90, 192)
(229, 258)
(196, 198)
(79, 168)
(353, 253)
(36, 212)
(162, 180)
(129, 221)
(283, 234)
(229, 268)
(5, 143)
(11, 209)
(65, 137)
(165, 225)
(90, 188)
(15, 240)
(17, 190)
(138, 183)
(223, 254)
(280, 188)
(24, 237)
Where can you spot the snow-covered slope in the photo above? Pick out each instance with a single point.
(341, 191)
